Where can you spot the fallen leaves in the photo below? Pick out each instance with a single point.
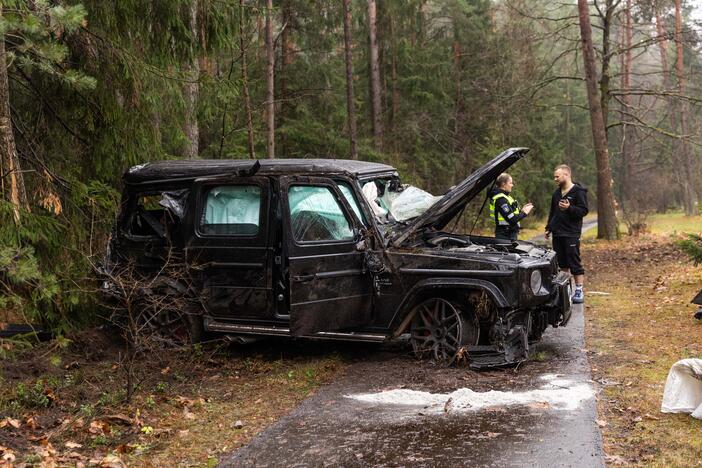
(99, 427)
(108, 461)
(615, 460)
(638, 332)
(118, 419)
(31, 423)
(539, 405)
(14, 423)
(7, 456)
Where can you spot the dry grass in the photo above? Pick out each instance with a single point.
(663, 224)
(634, 335)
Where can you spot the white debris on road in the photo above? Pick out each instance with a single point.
(557, 392)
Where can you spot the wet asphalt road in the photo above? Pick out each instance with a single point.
(391, 410)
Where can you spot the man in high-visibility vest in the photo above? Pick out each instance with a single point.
(504, 209)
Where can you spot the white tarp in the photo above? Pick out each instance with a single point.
(683, 389)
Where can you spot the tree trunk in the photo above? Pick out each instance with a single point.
(606, 57)
(285, 62)
(459, 107)
(350, 105)
(191, 90)
(672, 110)
(606, 216)
(375, 78)
(270, 78)
(395, 92)
(627, 130)
(245, 82)
(568, 144)
(10, 170)
(662, 46)
(689, 194)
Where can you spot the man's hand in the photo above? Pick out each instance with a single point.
(526, 209)
(547, 234)
(564, 204)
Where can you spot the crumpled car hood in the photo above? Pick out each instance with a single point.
(444, 210)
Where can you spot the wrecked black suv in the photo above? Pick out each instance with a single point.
(331, 249)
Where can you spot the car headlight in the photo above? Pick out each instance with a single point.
(535, 281)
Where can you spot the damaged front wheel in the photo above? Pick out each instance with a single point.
(441, 330)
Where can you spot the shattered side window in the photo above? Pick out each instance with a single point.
(149, 218)
(316, 215)
(232, 210)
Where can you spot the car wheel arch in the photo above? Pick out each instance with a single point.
(445, 288)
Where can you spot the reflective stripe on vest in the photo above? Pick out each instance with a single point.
(496, 215)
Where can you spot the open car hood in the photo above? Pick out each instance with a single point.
(444, 210)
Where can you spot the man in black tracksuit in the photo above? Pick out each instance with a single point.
(565, 224)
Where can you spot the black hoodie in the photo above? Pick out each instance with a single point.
(568, 223)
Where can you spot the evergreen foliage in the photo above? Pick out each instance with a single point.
(692, 246)
(98, 86)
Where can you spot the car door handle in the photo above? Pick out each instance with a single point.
(303, 278)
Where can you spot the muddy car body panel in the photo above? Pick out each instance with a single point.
(294, 248)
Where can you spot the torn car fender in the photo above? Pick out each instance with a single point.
(402, 316)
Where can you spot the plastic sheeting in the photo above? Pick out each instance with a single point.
(683, 389)
(174, 201)
(316, 215)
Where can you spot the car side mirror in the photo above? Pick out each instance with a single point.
(359, 236)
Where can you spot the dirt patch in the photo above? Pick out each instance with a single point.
(66, 401)
(634, 335)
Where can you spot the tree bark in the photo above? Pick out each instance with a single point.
(606, 57)
(245, 82)
(627, 130)
(375, 78)
(191, 89)
(689, 194)
(672, 110)
(285, 62)
(10, 170)
(350, 104)
(662, 46)
(270, 78)
(606, 216)
(395, 92)
(568, 144)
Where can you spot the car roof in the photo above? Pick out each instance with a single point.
(194, 168)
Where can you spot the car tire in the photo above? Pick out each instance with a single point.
(441, 330)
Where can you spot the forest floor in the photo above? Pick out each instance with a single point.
(638, 323)
(64, 402)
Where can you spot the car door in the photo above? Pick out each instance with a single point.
(329, 287)
(229, 250)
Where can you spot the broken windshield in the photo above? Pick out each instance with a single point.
(392, 201)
